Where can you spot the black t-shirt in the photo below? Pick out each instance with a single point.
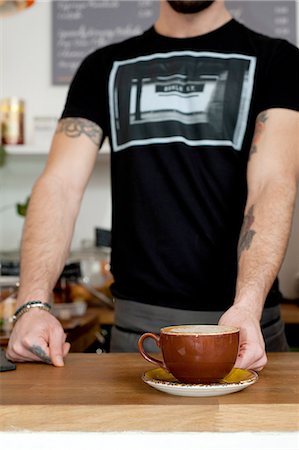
(180, 116)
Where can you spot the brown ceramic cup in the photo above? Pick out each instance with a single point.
(195, 353)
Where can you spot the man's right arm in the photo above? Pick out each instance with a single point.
(48, 230)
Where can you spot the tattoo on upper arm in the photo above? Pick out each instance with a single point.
(38, 351)
(259, 128)
(247, 232)
(76, 126)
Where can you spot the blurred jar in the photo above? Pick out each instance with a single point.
(8, 299)
(68, 280)
(12, 111)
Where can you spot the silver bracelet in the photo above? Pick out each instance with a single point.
(27, 306)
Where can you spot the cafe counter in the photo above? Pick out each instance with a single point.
(106, 393)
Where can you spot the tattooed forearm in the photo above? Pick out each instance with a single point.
(38, 351)
(259, 127)
(76, 126)
(247, 233)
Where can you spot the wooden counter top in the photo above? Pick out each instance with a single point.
(105, 393)
(290, 312)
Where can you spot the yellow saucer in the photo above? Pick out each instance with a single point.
(235, 381)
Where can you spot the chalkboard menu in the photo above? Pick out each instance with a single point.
(79, 27)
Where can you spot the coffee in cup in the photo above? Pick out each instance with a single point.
(195, 353)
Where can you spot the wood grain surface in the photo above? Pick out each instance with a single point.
(105, 393)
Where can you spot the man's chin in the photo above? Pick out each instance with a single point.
(189, 6)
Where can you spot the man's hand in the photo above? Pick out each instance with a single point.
(38, 336)
(252, 353)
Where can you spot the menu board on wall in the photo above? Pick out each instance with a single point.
(81, 26)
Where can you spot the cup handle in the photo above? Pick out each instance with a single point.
(145, 355)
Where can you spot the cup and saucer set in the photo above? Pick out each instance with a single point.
(198, 361)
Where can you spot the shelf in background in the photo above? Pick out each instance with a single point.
(24, 150)
(42, 149)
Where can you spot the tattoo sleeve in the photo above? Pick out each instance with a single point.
(76, 126)
(247, 232)
(38, 351)
(259, 128)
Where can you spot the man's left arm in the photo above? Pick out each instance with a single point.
(272, 177)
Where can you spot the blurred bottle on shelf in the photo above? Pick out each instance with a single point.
(12, 114)
(9, 284)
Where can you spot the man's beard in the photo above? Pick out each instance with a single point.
(189, 6)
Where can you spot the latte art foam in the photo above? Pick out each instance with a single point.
(199, 330)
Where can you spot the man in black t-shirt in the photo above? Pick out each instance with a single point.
(202, 118)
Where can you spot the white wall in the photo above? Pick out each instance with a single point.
(25, 71)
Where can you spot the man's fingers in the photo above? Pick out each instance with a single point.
(26, 351)
(66, 348)
(35, 352)
(41, 353)
(250, 360)
(57, 348)
(38, 340)
(258, 365)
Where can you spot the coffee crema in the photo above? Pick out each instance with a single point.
(199, 330)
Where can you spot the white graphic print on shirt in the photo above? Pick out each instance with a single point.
(198, 98)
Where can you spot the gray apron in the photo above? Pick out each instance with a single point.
(134, 318)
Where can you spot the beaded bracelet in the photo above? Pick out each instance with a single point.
(27, 306)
